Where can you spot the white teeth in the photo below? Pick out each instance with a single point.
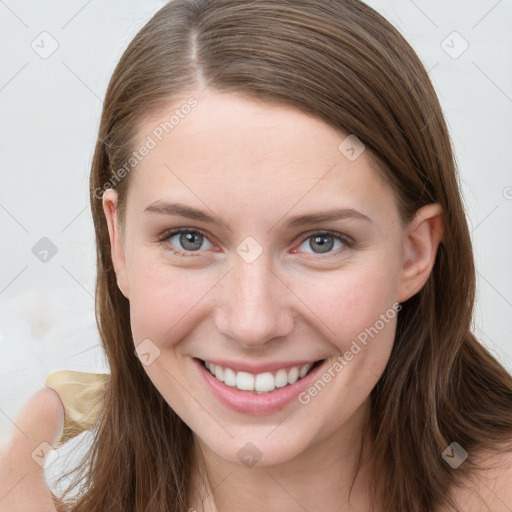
(293, 375)
(229, 377)
(219, 373)
(281, 378)
(265, 382)
(245, 381)
(304, 370)
(261, 383)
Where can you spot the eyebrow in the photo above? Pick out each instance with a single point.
(182, 210)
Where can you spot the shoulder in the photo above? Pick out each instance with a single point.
(490, 488)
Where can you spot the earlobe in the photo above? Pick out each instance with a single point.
(421, 241)
(116, 241)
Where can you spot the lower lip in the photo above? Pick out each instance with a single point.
(248, 403)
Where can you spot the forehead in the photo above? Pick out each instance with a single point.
(252, 155)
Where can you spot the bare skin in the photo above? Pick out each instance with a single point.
(42, 419)
(290, 303)
(39, 425)
(254, 175)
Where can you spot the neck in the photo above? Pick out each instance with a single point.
(319, 478)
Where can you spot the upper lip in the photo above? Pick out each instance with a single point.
(256, 368)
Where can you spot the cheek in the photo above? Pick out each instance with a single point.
(360, 309)
(342, 304)
(350, 301)
(163, 301)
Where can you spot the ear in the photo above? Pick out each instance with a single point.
(422, 238)
(116, 239)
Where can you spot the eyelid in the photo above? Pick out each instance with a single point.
(169, 233)
(176, 231)
(348, 243)
(335, 234)
(345, 239)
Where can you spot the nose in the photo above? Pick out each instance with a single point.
(255, 304)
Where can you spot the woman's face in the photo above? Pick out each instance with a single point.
(256, 283)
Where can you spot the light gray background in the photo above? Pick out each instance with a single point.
(50, 109)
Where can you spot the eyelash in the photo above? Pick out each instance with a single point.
(164, 239)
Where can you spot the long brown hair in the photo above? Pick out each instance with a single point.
(343, 62)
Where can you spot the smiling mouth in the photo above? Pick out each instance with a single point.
(261, 383)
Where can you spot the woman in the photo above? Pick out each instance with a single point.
(285, 278)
